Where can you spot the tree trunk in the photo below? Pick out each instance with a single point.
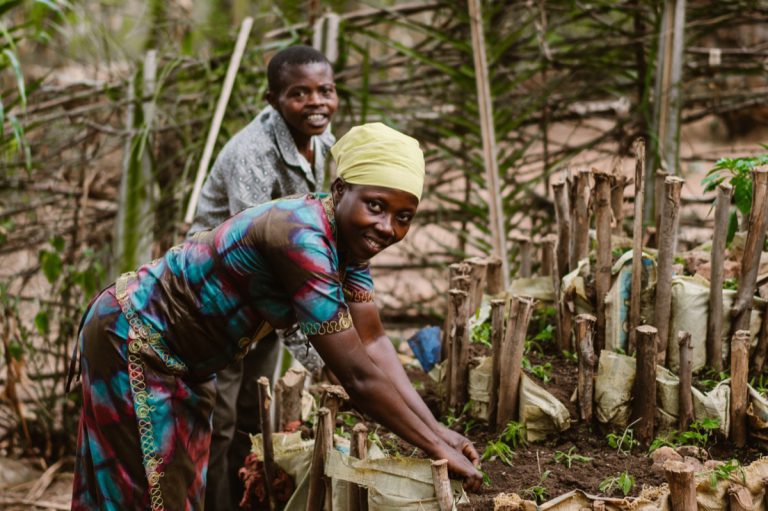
(585, 331)
(510, 359)
(637, 245)
(739, 387)
(562, 215)
(288, 392)
(644, 390)
(682, 486)
(602, 203)
(715, 317)
(442, 484)
(497, 338)
(580, 218)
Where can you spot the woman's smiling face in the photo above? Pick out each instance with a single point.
(370, 218)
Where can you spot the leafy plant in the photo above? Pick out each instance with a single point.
(710, 378)
(760, 384)
(622, 443)
(568, 457)
(514, 434)
(545, 335)
(724, 471)
(538, 493)
(700, 433)
(498, 449)
(481, 334)
(623, 482)
(541, 371)
(570, 356)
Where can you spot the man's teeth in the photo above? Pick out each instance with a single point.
(316, 117)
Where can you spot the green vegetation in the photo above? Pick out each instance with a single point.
(497, 449)
(701, 433)
(623, 482)
(481, 334)
(541, 371)
(568, 457)
(724, 471)
(514, 435)
(622, 443)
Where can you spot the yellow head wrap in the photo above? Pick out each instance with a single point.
(375, 154)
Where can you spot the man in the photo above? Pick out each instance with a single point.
(281, 152)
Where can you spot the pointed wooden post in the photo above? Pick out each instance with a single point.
(585, 332)
(685, 412)
(644, 389)
(715, 316)
(602, 203)
(739, 387)
(637, 245)
(750, 261)
(488, 133)
(667, 241)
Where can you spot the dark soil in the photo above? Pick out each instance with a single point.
(534, 469)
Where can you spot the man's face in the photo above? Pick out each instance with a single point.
(307, 98)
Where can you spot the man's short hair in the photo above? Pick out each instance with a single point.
(291, 56)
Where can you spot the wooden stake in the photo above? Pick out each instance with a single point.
(477, 274)
(288, 392)
(510, 359)
(617, 203)
(658, 191)
(218, 115)
(265, 400)
(562, 215)
(494, 280)
(580, 219)
(715, 316)
(644, 389)
(497, 337)
(739, 498)
(637, 244)
(750, 261)
(758, 359)
(563, 315)
(488, 134)
(333, 397)
(739, 387)
(462, 283)
(685, 412)
(585, 333)
(547, 254)
(524, 255)
(458, 361)
(319, 485)
(682, 487)
(358, 495)
(602, 201)
(667, 240)
(442, 484)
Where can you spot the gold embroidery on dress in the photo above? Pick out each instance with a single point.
(359, 296)
(344, 322)
(330, 213)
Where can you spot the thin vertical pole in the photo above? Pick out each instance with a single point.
(489, 137)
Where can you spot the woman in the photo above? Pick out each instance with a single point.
(151, 343)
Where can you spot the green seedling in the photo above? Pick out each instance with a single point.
(570, 356)
(514, 435)
(623, 443)
(710, 379)
(481, 334)
(536, 493)
(760, 384)
(623, 482)
(724, 472)
(700, 433)
(498, 450)
(568, 457)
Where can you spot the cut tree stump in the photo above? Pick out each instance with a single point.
(319, 493)
(739, 387)
(585, 333)
(357, 499)
(458, 342)
(562, 216)
(288, 391)
(494, 278)
(685, 412)
(442, 484)
(477, 273)
(580, 218)
(547, 253)
(509, 357)
(602, 201)
(524, 247)
(682, 486)
(497, 337)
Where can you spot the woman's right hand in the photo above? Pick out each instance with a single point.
(461, 468)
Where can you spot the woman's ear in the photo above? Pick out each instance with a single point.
(338, 187)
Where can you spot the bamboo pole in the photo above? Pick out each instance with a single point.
(288, 392)
(715, 316)
(442, 485)
(218, 116)
(602, 201)
(739, 387)
(685, 412)
(319, 485)
(750, 261)
(644, 389)
(562, 215)
(488, 134)
(682, 486)
(458, 360)
(510, 359)
(547, 254)
(494, 280)
(580, 195)
(585, 332)
(265, 400)
(524, 253)
(637, 244)
(357, 499)
(667, 241)
(497, 337)
(617, 203)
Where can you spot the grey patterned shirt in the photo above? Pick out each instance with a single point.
(260, 163)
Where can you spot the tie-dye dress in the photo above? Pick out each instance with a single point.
(151, 343)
